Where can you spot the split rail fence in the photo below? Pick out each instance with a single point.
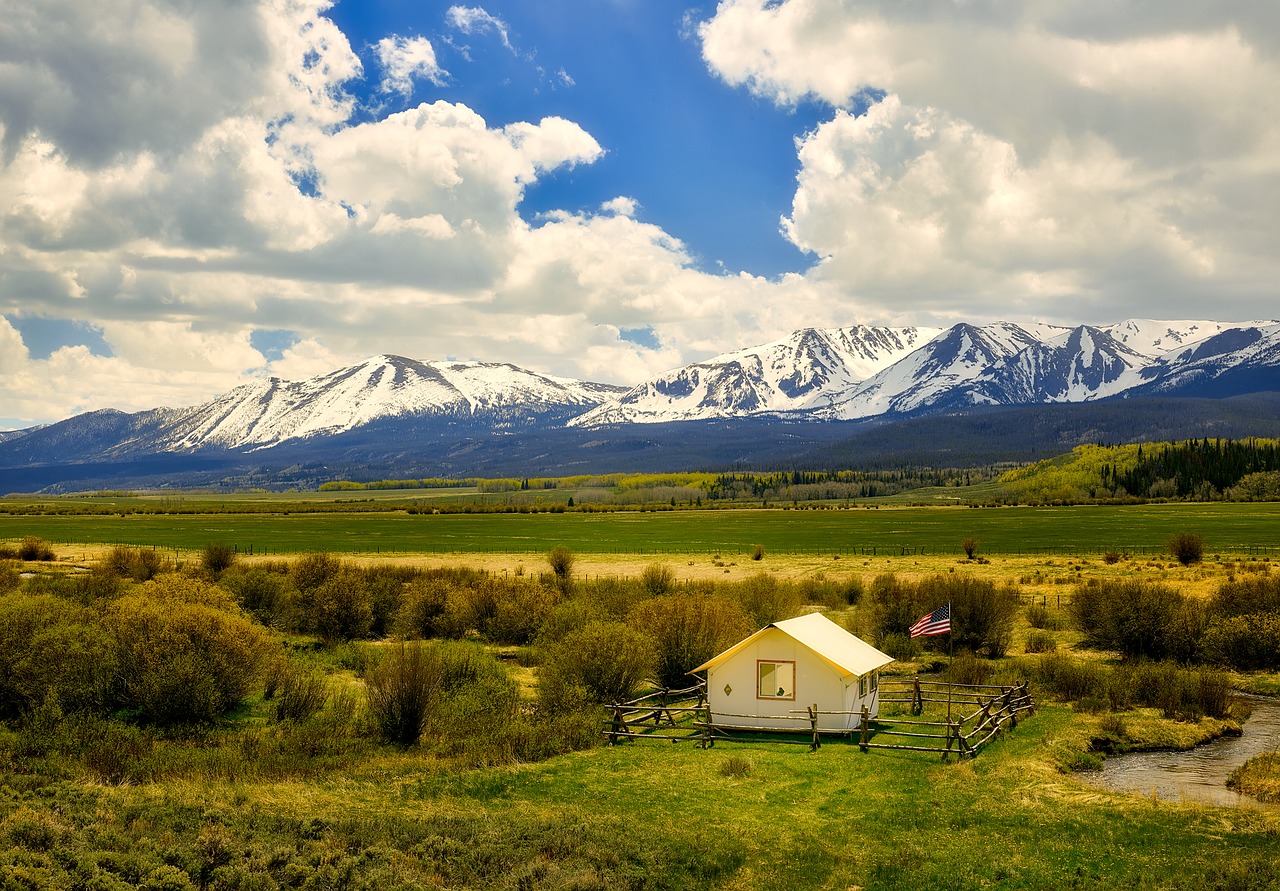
(975, 715)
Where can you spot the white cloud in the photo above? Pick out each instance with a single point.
(1026, 153)
(405, 58)
(476, 20)
(622, 206)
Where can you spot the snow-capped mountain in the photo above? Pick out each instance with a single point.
(918, 371)
(808, 371)
(272, 412)
(391, 410)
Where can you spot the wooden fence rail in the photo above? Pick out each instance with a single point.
(680, 715)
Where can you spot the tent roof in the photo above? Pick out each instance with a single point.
(847, 654)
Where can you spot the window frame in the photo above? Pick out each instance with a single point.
(775, 698)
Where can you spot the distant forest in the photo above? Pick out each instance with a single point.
(1194, 469)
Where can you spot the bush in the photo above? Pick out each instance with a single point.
(139, 564)
(313, 570)
(657, 579)
(518, 610)
(766, 600)
(50, 644)
(900, 646)
(968, 669)
(265, 594)
(423, 609)
(561, 560)
(757, 552)
(599, 662)
(1186, 548)
(1138, 619)
(1039, 616)
(1245, 643)
(300, 692)
(186, 651)
(342, 609)
(970, 547)
(689, 630)
(35, 549)
(1041, 642)
(1257, 594)
(217, 557)
(402, 688)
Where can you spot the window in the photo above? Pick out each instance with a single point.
(777, 680)
(862, 687)
(875, 681)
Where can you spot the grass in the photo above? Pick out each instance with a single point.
(648, 816)
(1137, 529)
(1259, 777)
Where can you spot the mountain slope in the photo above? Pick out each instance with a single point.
(807, 371)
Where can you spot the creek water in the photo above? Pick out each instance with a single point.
(1199, 774)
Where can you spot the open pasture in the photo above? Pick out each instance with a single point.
(1225, 527)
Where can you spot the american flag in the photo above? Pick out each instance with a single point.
(936, 622)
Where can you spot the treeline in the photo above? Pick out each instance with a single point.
(1196, 470)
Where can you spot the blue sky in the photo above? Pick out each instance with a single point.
(197, 195)
(713, 165)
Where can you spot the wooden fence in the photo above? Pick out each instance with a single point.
(975, 715)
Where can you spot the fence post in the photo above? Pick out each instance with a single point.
(917, 700)
(813, 722)
(865, 735)
(619, 724)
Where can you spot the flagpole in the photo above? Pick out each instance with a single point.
(951, 652)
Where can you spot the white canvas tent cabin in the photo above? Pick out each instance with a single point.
(770, 678)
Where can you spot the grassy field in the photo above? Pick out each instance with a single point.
(642, 816)
(1227, 528)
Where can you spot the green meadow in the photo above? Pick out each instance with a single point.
(1225, 527)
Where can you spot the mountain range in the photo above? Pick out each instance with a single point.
(813, 386)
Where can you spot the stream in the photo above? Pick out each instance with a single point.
(1199, 774)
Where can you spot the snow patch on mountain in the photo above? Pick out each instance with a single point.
(807, 371)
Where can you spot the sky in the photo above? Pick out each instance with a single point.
(198, 193)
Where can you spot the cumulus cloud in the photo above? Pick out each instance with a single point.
(1024, 153)
(405, 58)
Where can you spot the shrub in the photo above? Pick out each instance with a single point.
(32, 548)
(757, 552)
(689, 630)
(139, 564)
(970, 547)
(561, 560)
(598, 662)
(1186, 547)
(899, 646)
(967, 669)
(313, 570)
(1256, 594)
(186, 651)
(50, 644)
(519, 609)
(217, 557)
(1039, 616)
(1041, 642)
(767, 600)
(401, 689)
(737, 767)
(423, 609)
(300, 693)
(657, 579)
(1245, 643)
(341, 607)
(1138, 619)
(265, 594)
